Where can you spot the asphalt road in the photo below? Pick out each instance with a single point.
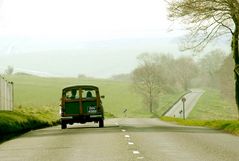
(190, 102)
(122, 140)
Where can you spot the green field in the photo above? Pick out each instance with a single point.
(37, 99)
(40, 92)
(212, 106)
(214, 111)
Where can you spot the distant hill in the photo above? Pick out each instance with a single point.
(24, 74)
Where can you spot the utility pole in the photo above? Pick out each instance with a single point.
(184, 100)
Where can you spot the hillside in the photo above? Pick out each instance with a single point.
(45, 92)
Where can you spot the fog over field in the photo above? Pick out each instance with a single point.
(98, 59)
(93, 38)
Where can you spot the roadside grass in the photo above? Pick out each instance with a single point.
(212, 106)
(229, 126)
(46, 115)
(16, 122)
(212, 111)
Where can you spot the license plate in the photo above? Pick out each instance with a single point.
(92, 109)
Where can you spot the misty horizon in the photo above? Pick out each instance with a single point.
(93, 39)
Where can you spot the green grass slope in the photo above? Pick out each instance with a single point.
(39, 92)
(214, 111)
(212, 106)
(19, 121)
(230, 126)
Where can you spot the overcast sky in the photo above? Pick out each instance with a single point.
(84, 20)
(92, 37)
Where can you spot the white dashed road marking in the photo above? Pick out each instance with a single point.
(136, 152)
(127, 136)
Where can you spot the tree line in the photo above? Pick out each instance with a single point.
(207, 20)
(163, 73)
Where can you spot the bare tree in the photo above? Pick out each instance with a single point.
(146, 78)
(186, 70)
(167, 72)
(210, 64)
(225, 78)
(207, 20)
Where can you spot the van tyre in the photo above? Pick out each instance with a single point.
(63, 125)
(101, 123)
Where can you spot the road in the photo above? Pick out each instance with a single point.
(126, 139)
(191, 100)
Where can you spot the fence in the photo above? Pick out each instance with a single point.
(6, 95)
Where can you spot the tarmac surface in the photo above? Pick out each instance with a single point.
(126, 139)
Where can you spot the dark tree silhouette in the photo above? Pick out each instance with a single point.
(207, 20)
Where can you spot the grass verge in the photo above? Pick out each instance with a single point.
(212, 106)
(229, 126)
(22, 120)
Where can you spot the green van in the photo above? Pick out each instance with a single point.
(81, 104)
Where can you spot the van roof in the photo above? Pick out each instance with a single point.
(81, 86)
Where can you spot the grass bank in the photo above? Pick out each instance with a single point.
(229, 126)
(213, 111)
(213, 106)
(22, 119)
(19, 121)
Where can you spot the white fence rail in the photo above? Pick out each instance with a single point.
(6, 95)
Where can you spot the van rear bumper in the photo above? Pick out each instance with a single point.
(82, 118)
(95, 116)
(67, 118)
